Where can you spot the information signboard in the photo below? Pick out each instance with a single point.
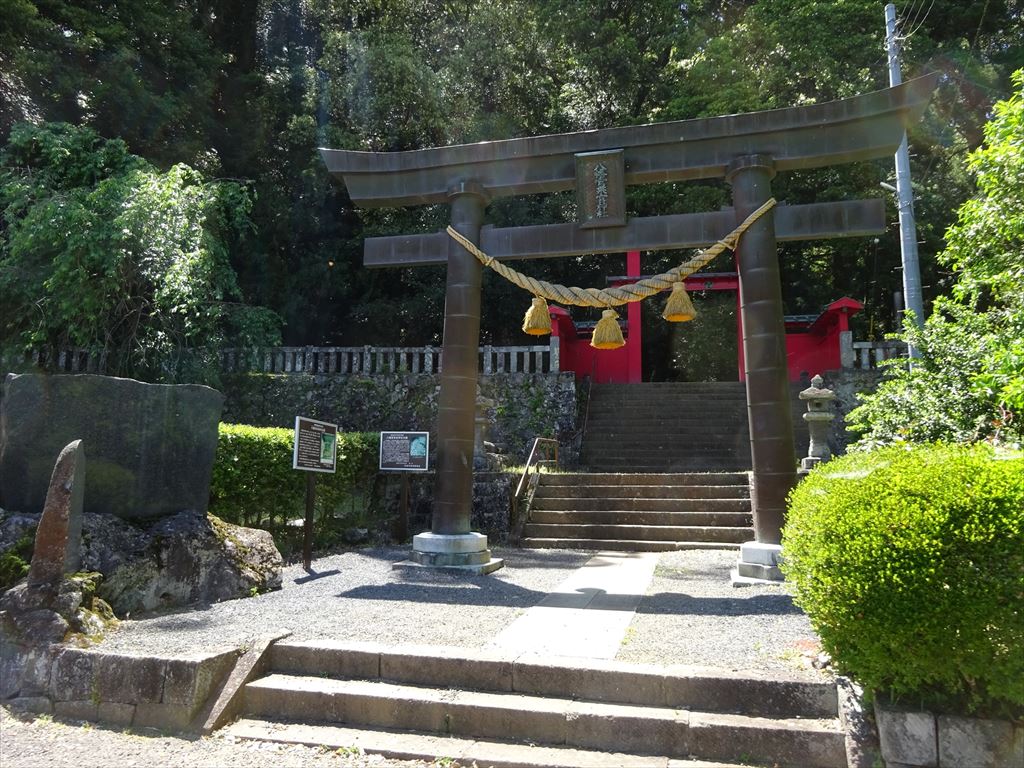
(404, 451)
(316, 445)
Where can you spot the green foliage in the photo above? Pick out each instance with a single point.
(969, 382)
(14, 563)
(253, 482)
(103, 252)
(251, 90)
(940, 397)
(909, 563)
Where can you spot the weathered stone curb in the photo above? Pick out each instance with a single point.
(926, 740)
(227, 703)
(139, 691)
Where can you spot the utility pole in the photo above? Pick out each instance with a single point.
(904, 193)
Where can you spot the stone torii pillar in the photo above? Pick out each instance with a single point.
(450, 542)
(772, 450)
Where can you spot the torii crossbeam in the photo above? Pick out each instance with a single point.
(746, 150)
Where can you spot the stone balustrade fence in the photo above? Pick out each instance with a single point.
(361, 361)
(376, 361)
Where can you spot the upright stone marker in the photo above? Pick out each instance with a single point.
(59, 535)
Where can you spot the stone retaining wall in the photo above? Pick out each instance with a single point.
(924, 739)
(139, 691)
(523, 405)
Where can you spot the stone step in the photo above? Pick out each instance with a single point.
(709, 417)
(399, 745)
(755, 693)
(649, 454)
(639, 517)
(653, 491)
(636, 442)
(516, 717)
(681, 478)
(623, 531)
(691, 464)
(583, 504)
(623, 545)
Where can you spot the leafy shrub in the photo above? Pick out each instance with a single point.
(14, 563)
(910, 564)
(253, 482)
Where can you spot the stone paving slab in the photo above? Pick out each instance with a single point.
(410, 746)
(586, 616)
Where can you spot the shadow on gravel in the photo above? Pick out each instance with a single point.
(491, 592)
(678, 603)
(497, 593)
(314, 575)
(514, 558)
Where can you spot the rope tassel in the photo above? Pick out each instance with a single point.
(607, 334)
(679, 308)
(537, 321)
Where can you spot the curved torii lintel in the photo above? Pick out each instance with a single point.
(858, 128)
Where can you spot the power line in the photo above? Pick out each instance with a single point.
(909, 22)
(923, 19)
(981, 21)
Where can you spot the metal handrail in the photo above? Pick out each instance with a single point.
(531, 461)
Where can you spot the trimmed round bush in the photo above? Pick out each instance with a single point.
(910, 564)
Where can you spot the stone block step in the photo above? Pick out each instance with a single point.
(640, 517)
(685, 478)
(656, 491)
(623, 545)
(665, 458)
(690, 464)
(620, 531)
(670, 432)
(547, 501)
(653, 442)
(758, 693)
(674, 418)
(510, 716)
(399, 745)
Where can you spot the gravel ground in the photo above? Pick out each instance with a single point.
(693, 615)
(30, 741)
(357, 596)
(690, 615)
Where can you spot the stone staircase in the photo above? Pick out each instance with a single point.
(639, 512)
(673, 427)
(483, 708)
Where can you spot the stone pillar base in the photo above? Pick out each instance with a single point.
(758, 564)
(460, 552)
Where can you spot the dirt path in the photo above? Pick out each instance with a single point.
(33, 741)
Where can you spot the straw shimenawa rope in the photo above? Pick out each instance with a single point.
(623, 294)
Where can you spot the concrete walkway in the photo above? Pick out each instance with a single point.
(587, 615)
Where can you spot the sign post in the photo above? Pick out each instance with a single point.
(404, 452)
(315, 449)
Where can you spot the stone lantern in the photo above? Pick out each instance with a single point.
(818, 417)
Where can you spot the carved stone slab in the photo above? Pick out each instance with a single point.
(59, 535)
(601, 189)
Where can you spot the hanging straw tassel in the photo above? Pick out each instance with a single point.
(537, 321)
(607, 334)
(679, 308)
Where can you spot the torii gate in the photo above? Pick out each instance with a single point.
(746, 150)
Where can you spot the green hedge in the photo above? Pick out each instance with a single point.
(253, 482)
(910, 564)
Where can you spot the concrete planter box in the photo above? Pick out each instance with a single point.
(921, 738)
